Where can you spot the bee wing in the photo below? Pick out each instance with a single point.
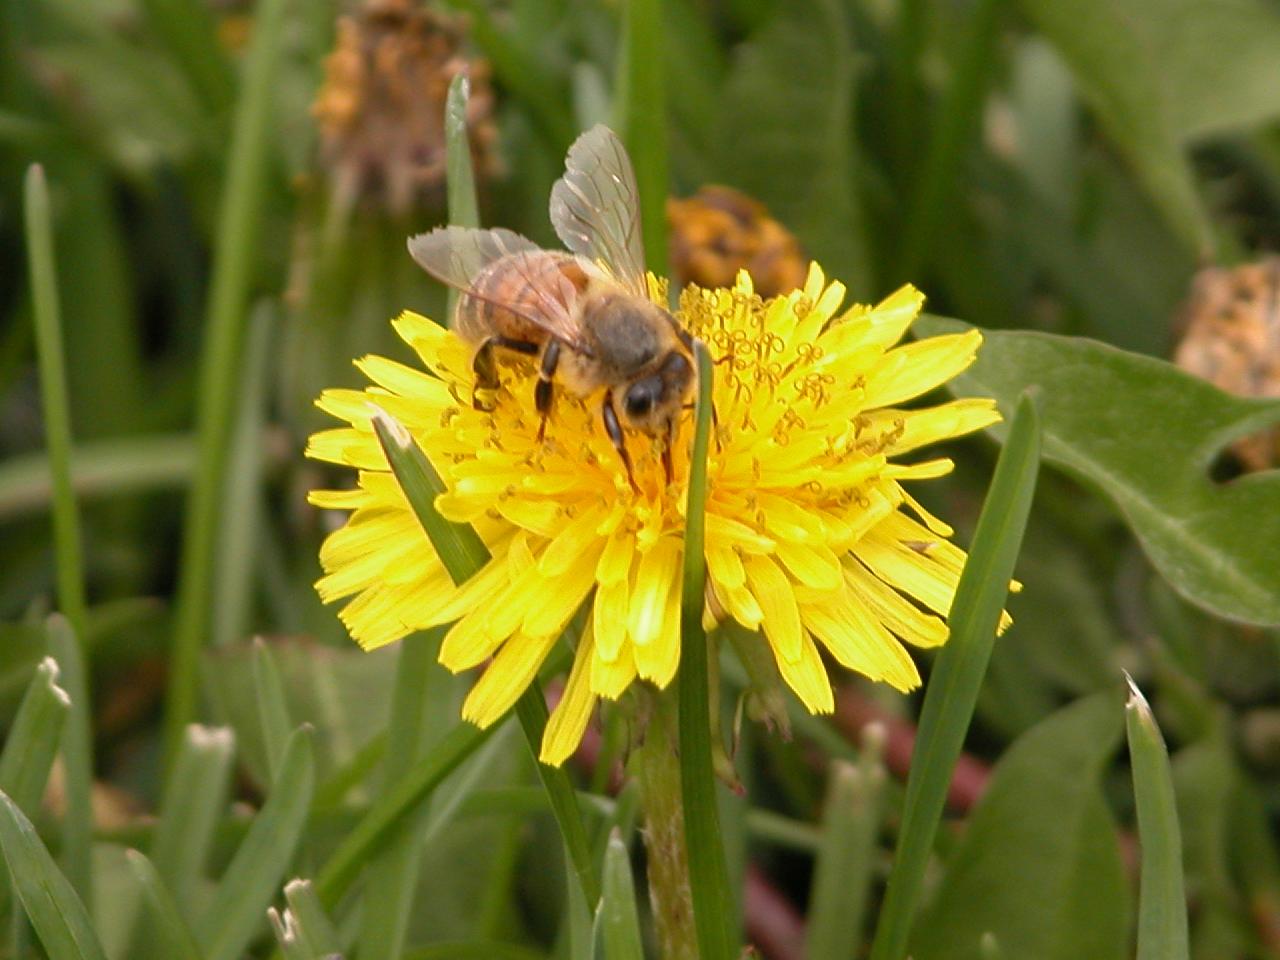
(457, 255)
(595, 207)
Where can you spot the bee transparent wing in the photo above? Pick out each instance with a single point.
(457, 256)
(595, 207)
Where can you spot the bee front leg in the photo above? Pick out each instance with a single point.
(543, 392)
(614, 429)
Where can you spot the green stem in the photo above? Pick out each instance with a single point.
(642, 114)
(235, 259)
(53, 397)
(708, 872)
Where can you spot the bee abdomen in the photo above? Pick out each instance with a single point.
(509, 291)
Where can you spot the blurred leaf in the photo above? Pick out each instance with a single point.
(1146, 433)
(787, 133)
(617, 927)
(640, 117)
(32, 741)
(1162, 903)
(195, 796)
(248, 886)
(1038, 865)
(303, 930)
(1161, 72)
(178, 942)
(77, 756)
(59, 918)
(273, 713)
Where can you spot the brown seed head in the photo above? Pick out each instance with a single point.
(720, 231)
(1231, 337)
(381, 108)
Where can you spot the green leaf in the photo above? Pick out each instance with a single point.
(304, 931)
(236, 255)
(1159, 73)
(246, 889)
(712, 902)
(617, 927)
(195, 795)
(1038, 865)
(60, 920)
(32, 740)
(1146, 433)
(178, 943)
(273, 712)
(958, 672)
(77, 756)
(1162, 901)
(98, 468)
(640, 109)
(845, 861)
(787, 130)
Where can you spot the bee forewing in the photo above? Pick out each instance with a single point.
(456, 255)
(595, 207)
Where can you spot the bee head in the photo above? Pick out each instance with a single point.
(650, 403)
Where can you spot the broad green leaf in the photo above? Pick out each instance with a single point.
(1162, 902)
(1038, 865)
(787, 133)
(1146, 433)
(59, 918)
(239, 906)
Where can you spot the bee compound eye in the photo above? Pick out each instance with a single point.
(639, 399)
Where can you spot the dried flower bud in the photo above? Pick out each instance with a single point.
(1231, 338)
(721, 231)
(381, 107)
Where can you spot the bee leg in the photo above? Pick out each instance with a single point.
(668, 464)
(485, 368)
(543, 392)
(614, 429)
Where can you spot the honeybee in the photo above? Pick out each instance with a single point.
(585, 313)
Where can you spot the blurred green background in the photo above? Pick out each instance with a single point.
(230, 187)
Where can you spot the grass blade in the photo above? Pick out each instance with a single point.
(380, 822)
(236, 252)
(958, 671)
(842, 874)
(77, 756)
(463, 554)
(251, 880)
(460, 179)
(177, 941)
(192, 803)
(53, 397)
(708, 873)
(642, 121)
(32, 741)
(304, 931)
(1162, 900)
(98, 468)
(273, 711)
(188, 29)
(617, 926)
(59, 917)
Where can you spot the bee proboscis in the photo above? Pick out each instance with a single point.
(585, 313)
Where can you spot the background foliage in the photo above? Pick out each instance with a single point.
(1049, 171)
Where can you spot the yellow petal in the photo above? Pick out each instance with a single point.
(570, 717)
(777, 600)
(505, 679)
(893, 610)
(724, 566)
(575, 538)
(658, 660)
(860, 642)
(615, 562)
(917, 368)
(610, 678)
(814, 565)
(656, 579)
(808, 677)
(563, 595)
(610, 611)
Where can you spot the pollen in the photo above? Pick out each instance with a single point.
(812, 539)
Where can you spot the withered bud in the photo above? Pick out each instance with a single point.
(381, 107)
(1231, 337)
(720, 231)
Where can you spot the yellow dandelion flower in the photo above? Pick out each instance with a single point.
(811, 536)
